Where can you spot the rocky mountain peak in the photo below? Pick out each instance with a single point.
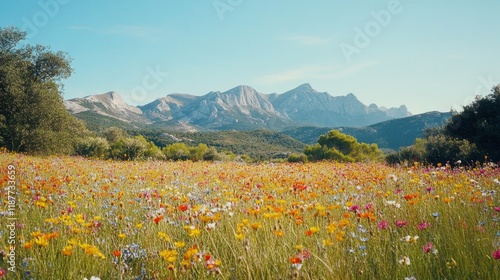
(241, 107)
(305, 87)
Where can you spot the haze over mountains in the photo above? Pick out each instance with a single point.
(240, 108)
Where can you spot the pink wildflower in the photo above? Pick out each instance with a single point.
(383, 224)
(423, 225)
(427, 247)
(496, 254)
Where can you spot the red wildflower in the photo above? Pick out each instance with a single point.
(158, 219)
(183, 207)
(295, 260)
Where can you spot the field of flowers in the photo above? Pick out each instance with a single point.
(79, 218)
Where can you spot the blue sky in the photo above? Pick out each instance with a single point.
(428, 55)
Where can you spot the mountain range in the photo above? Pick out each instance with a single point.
(240, 108)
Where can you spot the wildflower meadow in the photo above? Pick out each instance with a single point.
(76, 218)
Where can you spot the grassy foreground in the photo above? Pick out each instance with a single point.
(78, 218)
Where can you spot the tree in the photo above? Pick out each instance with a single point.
(128, 148)
(294, 157)
(176, 151)
(479, 123)
(134, 148)
(338, 146)
(414, 153)
(436, 148)
(96, 147)
(339, 141)
(33, 118)
(443, 149)
(198, 153)
(114, 134)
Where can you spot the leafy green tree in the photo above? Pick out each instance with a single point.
(114, 134)
(152, 151)
(414, 153)
(338, 146)
(133, 148)
(437, 148)
(341, 142)
(96, 147)
(211, 154)
(294, 157)
(197, 153)
(176, 151)
(443, 149)
(479, 123)
(33, 118)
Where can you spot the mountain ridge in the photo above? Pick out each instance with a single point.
(241, 108)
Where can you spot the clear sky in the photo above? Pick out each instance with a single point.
(428, 55)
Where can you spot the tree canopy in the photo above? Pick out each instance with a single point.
(469, 137)
(479, 123)
(338, 146)
(33, 118)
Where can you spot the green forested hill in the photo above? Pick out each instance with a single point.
(391, 134)
(256, 143)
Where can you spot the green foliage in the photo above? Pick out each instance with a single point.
(410, 154)
(33, 118)
(294, 157)
(133, 148)
(176, 151)
(338, 146)
(180, 151)
(437, 148)
(95, 147)
(198, 152)
(441, 149)
(465, 138)
(258, 144)
(479, 123)
(152, 151)
(339, 141)
(114, 134)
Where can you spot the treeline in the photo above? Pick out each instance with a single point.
(470, 137)
(115, 143)
(256, 144)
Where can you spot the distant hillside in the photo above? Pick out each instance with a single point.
(257, 144)
(97, 122)
(391, 134)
